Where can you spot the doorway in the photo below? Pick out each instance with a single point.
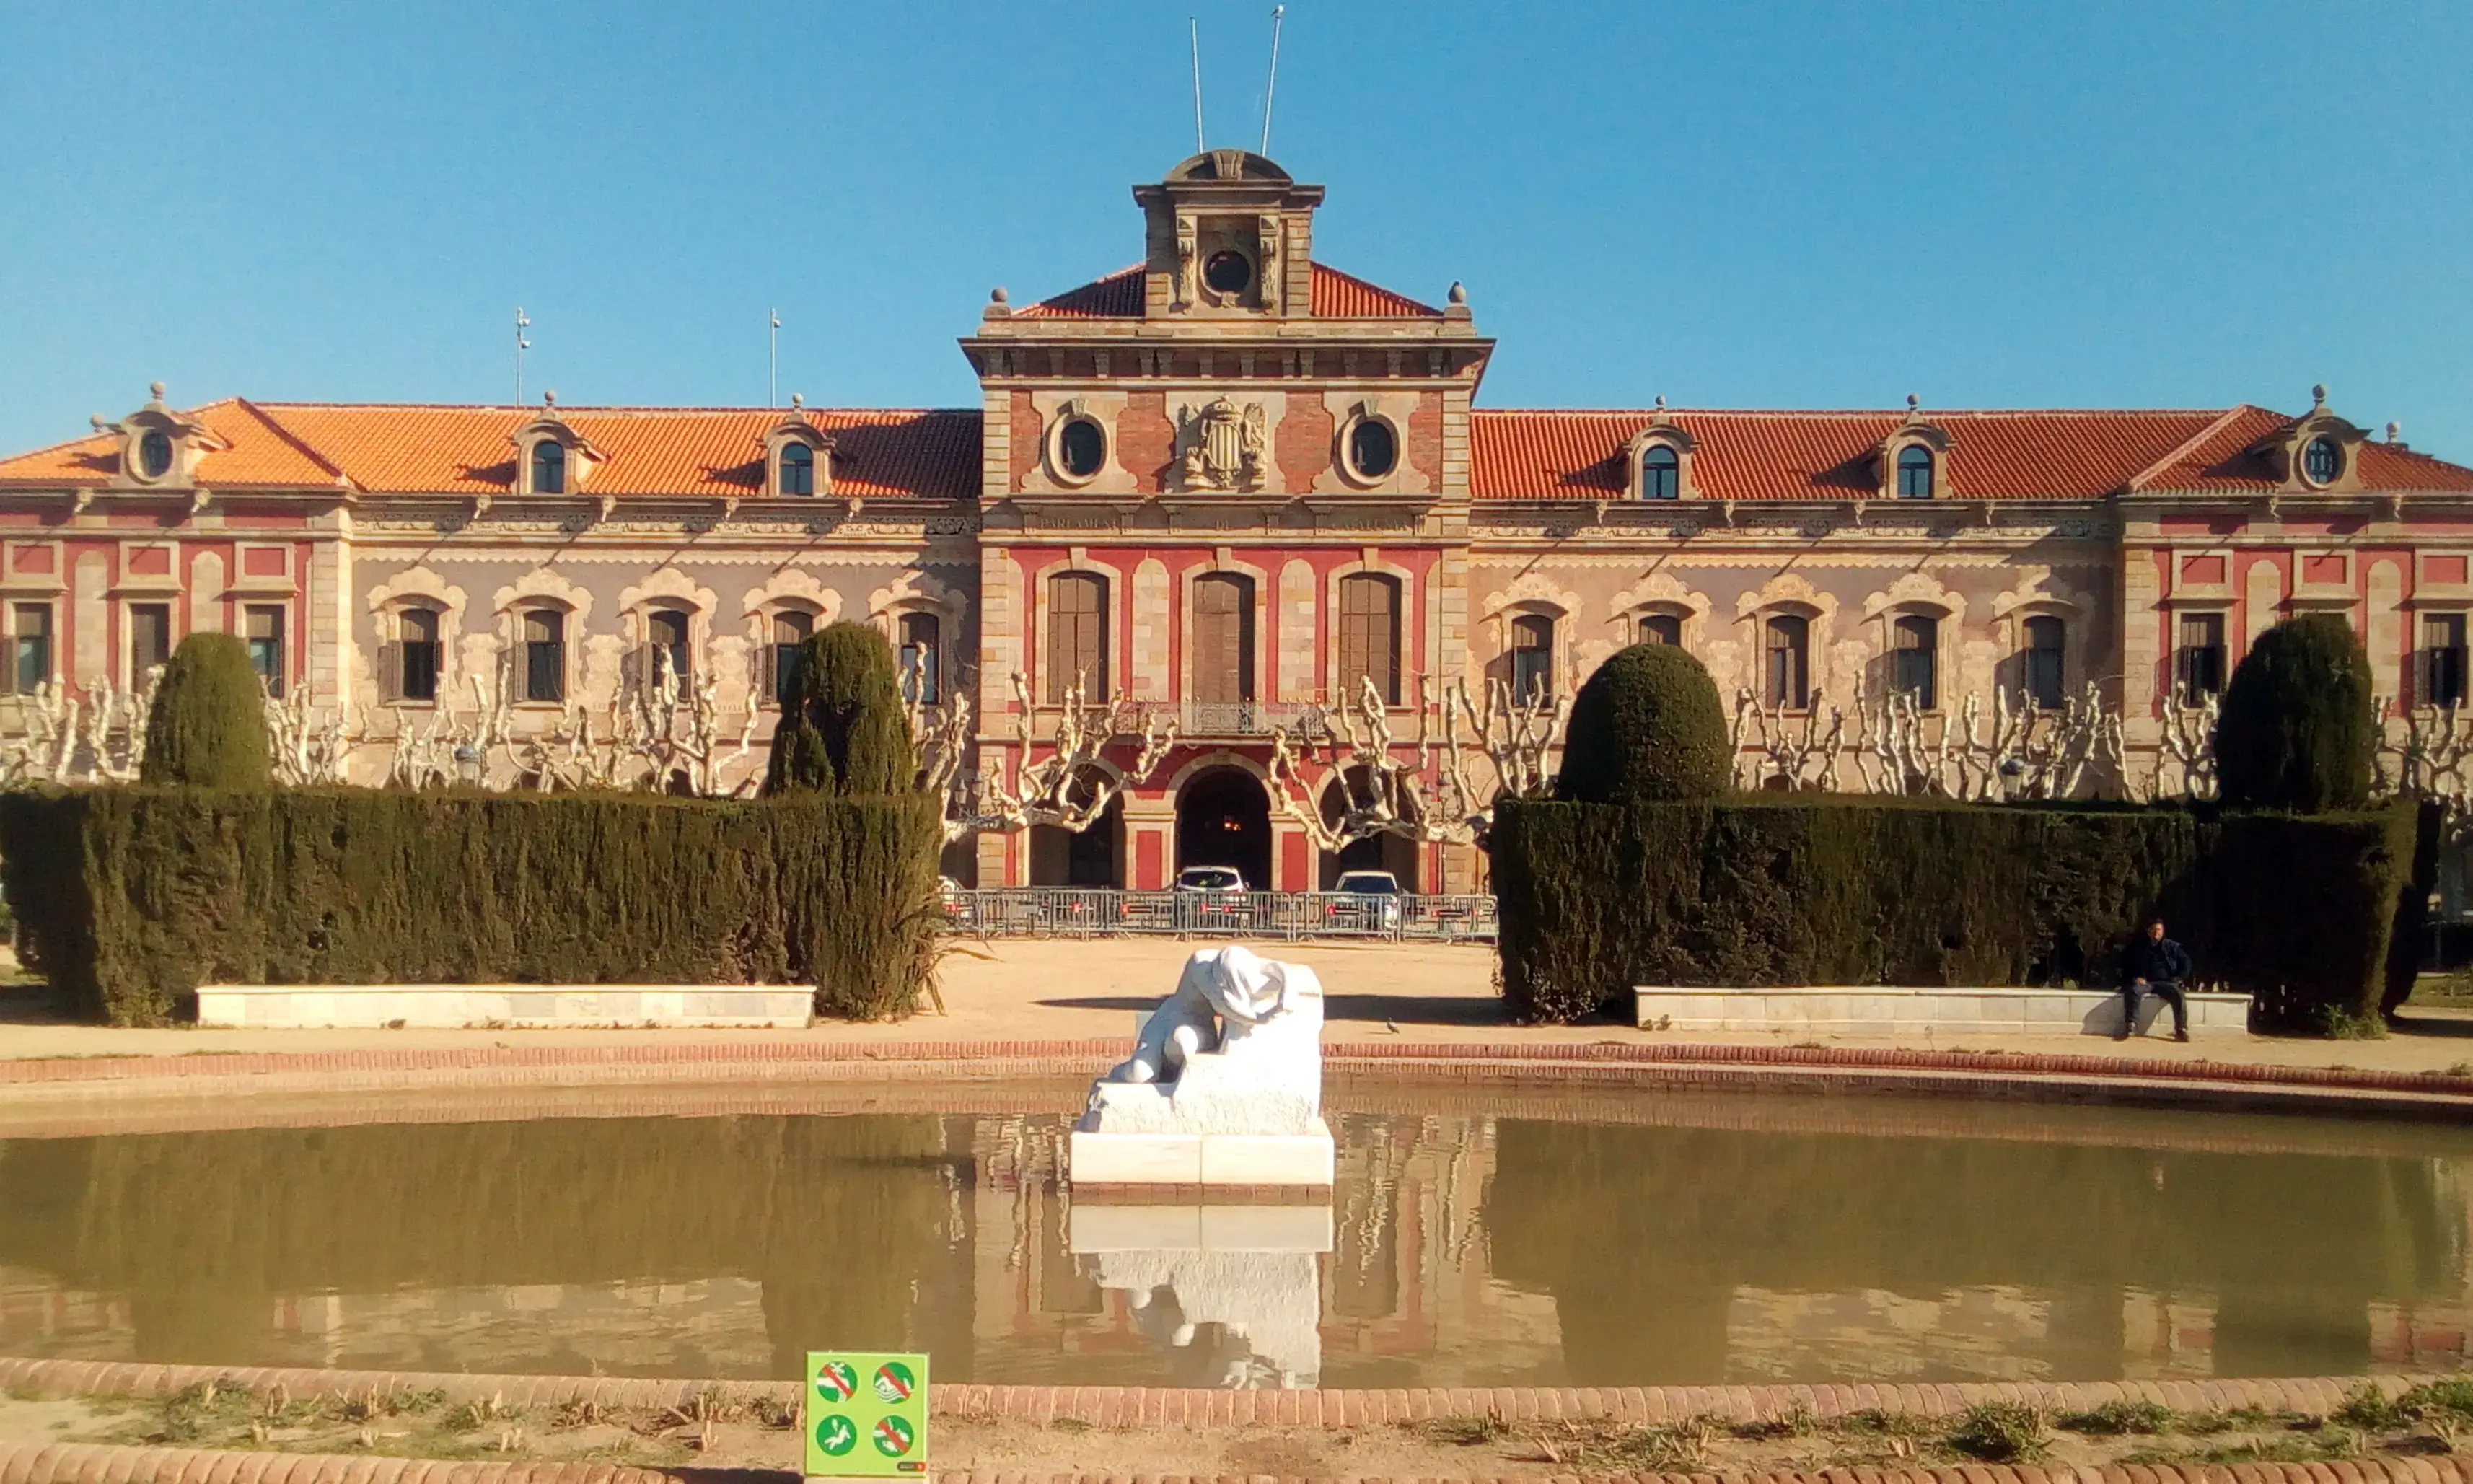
(1223, 818)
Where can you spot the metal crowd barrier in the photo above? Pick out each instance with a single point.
(1077, 911)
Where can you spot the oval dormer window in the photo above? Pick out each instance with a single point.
(1227, 271)
(155, 455)
(549, 466)
(2322, 461)
(1373, 450)
(1081, 447)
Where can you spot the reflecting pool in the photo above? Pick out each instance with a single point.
(1517, 1237)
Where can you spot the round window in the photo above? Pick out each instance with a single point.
(1081, 447)
(155, 455)
(1227, 271)
(1372, 450)
(2322, 461)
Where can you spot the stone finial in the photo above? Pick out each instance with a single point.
(157, 388)
(2395, 432)
(1913, 402)
(1661, 401)
(798, 399)
(2319, 395)
(97, 421)
(996, 296)
(549, 398)
(1458, 294)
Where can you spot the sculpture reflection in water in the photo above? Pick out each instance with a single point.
(1232, 1294)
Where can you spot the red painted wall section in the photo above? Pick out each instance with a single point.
(1296, 864)
(1302, 448)
(1150, 846)
(1146, 439)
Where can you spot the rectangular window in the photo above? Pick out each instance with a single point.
(2199, 665)
(417, 655)
(1223, 639)
(150, 640)
(1369, 637)
(545, 655)
(1661, 628)
(32, 645)
(263, 627)
(1532, 659)
(1077, 635)
(2044, 678)
(921, 660)
(1786, 639)
(1915, 661)
(666, 652)
(791, 627)
(2442, 659)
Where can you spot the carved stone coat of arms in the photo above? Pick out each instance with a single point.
(1222, 446)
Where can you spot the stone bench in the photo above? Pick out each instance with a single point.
(1878, 1011)
(301, 1006)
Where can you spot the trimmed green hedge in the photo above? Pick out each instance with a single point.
(2298, 726)
(1597, 898)
(843, 729)
(208, 722)
(1646, 727)
(128, 899)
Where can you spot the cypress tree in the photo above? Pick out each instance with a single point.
(208, 724)
(843, 729)
(1647, 727)
(2297, 731)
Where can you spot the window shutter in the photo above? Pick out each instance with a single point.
(391, 670)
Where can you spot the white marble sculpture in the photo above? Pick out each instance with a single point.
(1233, 1058)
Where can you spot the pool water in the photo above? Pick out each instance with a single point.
(1523, 1238)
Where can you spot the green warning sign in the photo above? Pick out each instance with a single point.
(879, 1399)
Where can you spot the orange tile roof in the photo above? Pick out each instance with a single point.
(1829, 455)
(466, 450)
(1336, 295)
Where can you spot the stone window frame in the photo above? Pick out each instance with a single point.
(190, 442)
(580, 457)
(1935, 443)
(1816, 651)
(795, 430)
(126, 661)
(391, 633)
(2010, 626)
(1053, 443)
(666, 590)
(10, 604)
(1037, 592)
(1686, 622)
(1343, 440)
(1945, 626)
(1414, 641)
(2287, 449)
(418, 586)
(1224, 562)
(1660, 434)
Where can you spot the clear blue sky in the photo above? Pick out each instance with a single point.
(1733, 204)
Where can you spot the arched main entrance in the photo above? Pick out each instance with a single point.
(1223, 818)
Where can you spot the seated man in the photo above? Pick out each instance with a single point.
(2153, 963)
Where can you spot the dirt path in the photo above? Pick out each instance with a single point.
(1051, 989)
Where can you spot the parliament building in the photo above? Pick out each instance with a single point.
(1233, 484)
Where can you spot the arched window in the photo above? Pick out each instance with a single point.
(1915, 659)
(549, 466)
(798, 469)
(666, 647)
(544, 632)
(922, 680)
(1914, 472)
(1661, 628)
(2322, 461)
(2045, 637)
(1532, 659)
(1787, 638)
(1661, 473)
(791, 627)
(1369, 637)
(1077, 635)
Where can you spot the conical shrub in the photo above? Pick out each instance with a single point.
(208, 726)
(1647, 727)
(2296, 730)
(843, 729)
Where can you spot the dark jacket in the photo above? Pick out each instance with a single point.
(2154, 962)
